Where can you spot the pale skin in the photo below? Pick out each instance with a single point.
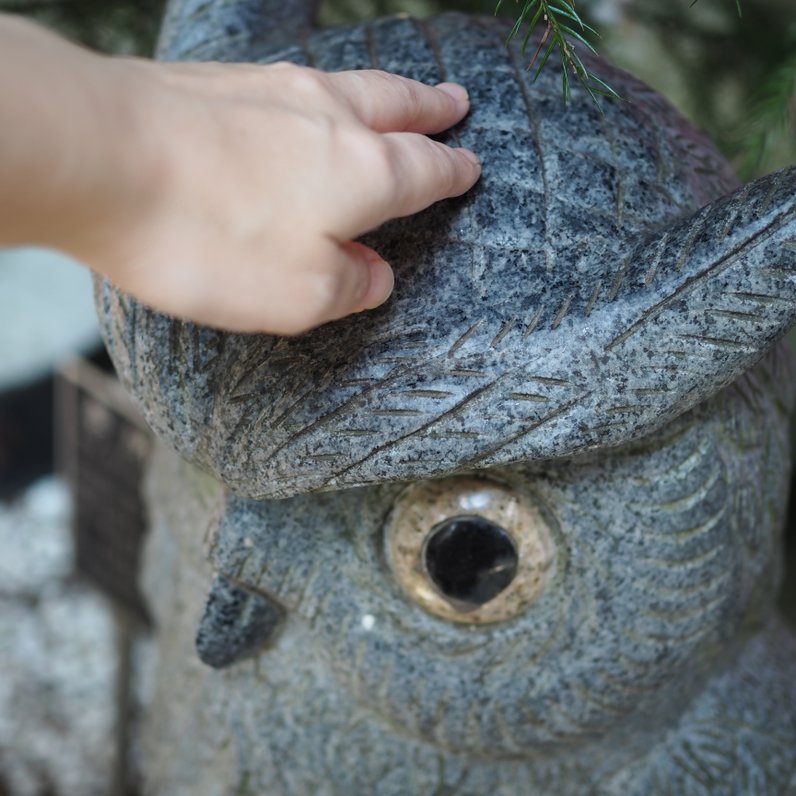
(230, 195)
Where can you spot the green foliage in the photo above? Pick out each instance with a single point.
(562, 26)
(728, 74)
(119, 26)
(773, 116)
(737, 5)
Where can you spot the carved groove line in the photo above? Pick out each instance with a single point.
(692, 282)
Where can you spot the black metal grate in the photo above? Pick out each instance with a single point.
(101, 449)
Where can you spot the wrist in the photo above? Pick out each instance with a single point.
(75, 163)
(122, 172)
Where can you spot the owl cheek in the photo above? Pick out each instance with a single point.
(236, 624)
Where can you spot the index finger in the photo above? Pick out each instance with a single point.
(391, 103)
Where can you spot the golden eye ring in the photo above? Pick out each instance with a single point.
(470, 550)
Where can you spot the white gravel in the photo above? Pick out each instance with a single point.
(57, 656)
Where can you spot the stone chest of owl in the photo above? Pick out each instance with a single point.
(517, 531)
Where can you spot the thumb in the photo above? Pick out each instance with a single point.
(370, 282)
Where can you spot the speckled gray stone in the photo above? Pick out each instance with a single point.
(528, 317)
(595, 327)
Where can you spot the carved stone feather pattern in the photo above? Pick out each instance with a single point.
(553, 281)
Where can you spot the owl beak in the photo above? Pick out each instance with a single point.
(237, 624)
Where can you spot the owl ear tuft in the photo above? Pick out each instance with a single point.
(709, 295)
(690, 308)
(231, 30)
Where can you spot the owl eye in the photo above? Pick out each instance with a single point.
(469, 549)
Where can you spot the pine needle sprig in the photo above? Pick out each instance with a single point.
(563, 27)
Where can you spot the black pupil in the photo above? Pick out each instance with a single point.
(470, 560)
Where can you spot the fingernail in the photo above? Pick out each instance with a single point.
(471, 156)
(382, 280)
(459, 93)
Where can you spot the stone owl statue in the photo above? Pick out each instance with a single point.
(517, 532)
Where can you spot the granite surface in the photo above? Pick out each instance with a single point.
(529, 317)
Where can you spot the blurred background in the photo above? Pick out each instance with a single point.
(72, 660)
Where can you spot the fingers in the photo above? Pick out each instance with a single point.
(412, 173)
(339, 279)
(333, 281)
(380, 276)
(383, 102)
(426, 171)
(390, 103)
(359, 279)
(346, 278)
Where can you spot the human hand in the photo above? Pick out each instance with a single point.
(264, 176)
(227, 194)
